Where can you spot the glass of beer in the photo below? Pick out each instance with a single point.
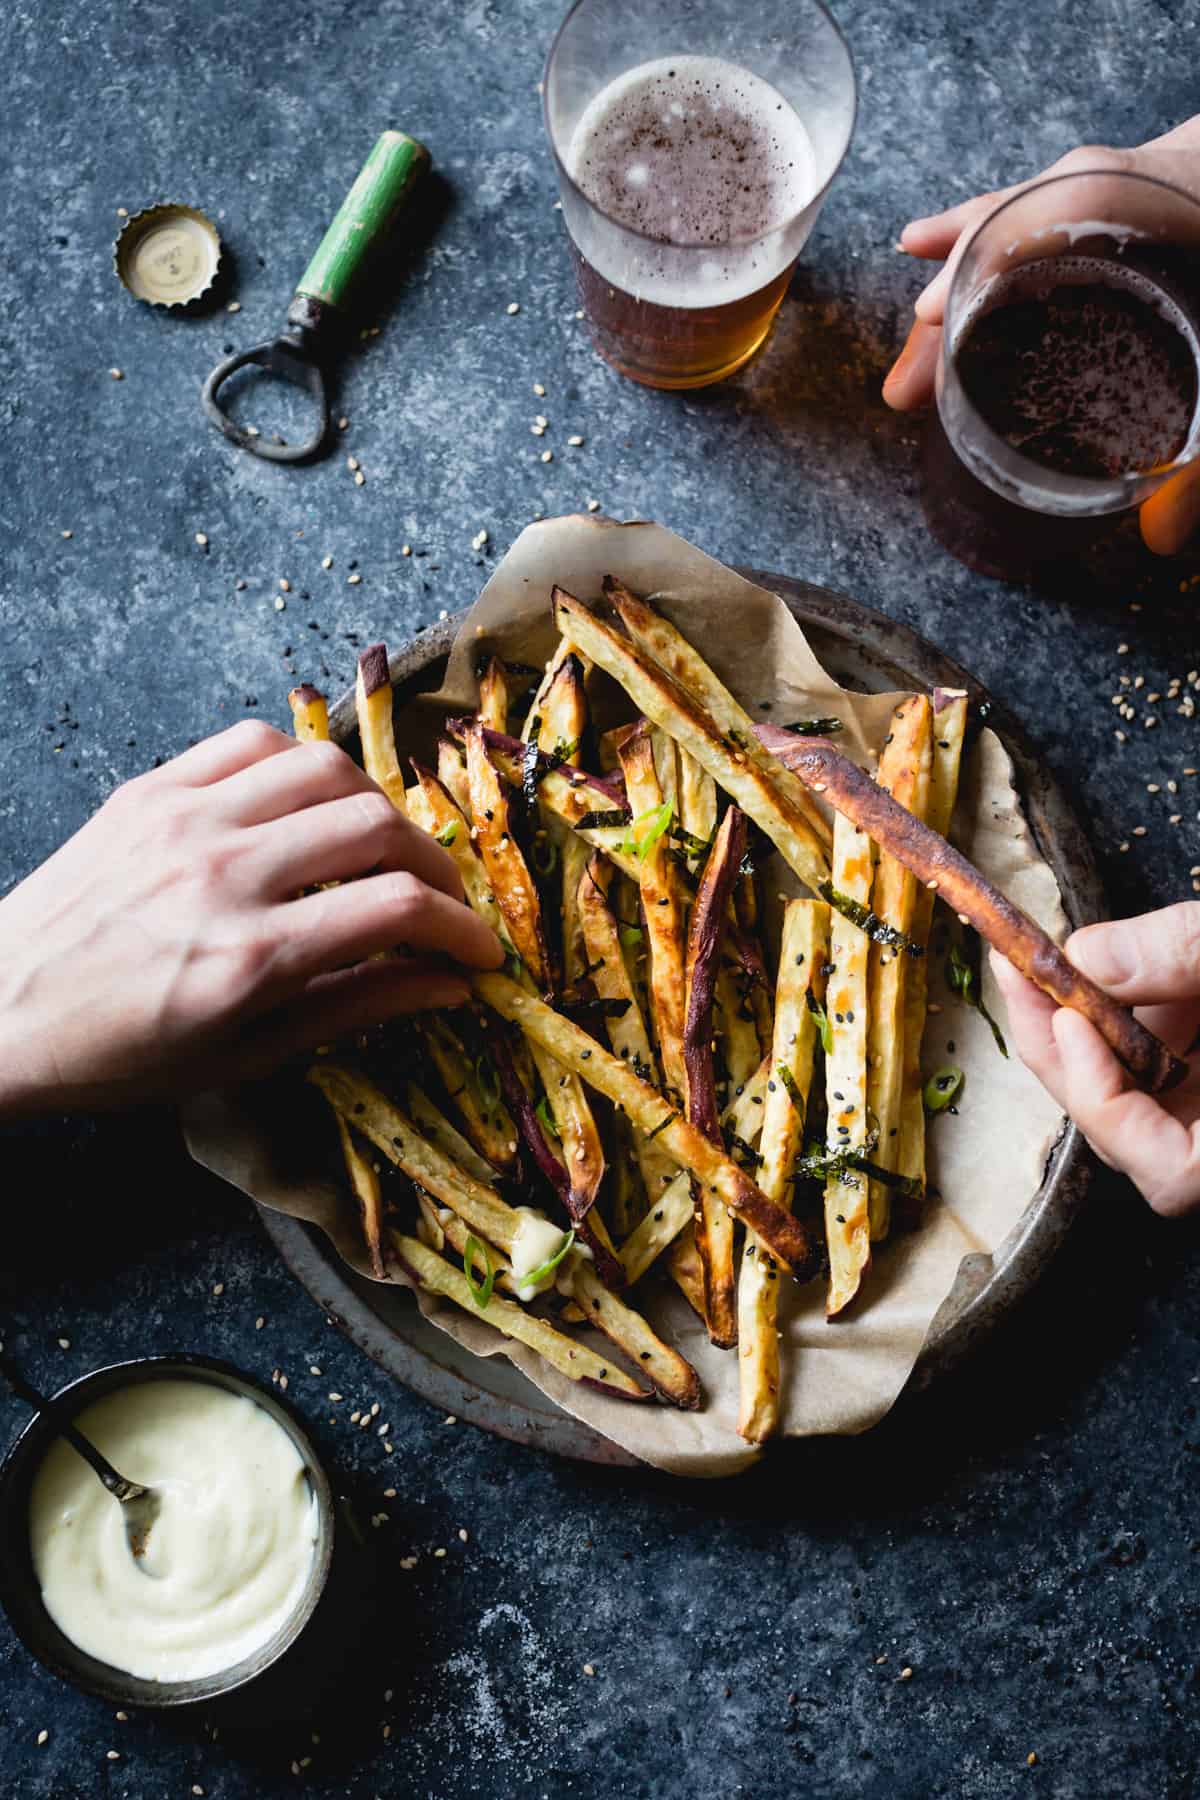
(1068, 389)
(694, 141)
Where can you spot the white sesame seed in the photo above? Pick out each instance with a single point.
(202, 540)
(450, 1419)
(443, 613)
(589, 1669)
(283, 1382)
(1139, 831)
(479, 540)
(42, 1736)
(354, 580)
(575, 441)
(122, 212)
(335, 1398)
(313, 1369)
(327, 562)
(117, 374)
(906, 1675)
(547, 456)
(538, 430)
(64, 1343)
(280, 603)
(408, 1562)
(389, 1493)
(234, 306)
(512, 308)
(68, 534)
(113, 1755)
(593, 506)
(355, 1417)
(352, 463)
(375, 1409)
(342, 424)
(579, 313)
(1174, 818)
(218, 1290)
(539, 390)
(439, 1552)
(259, 1322)
(1123, 847)
(122, 1716)
(359, 479)
(463, 1534)
(285, 586)
(406, 549)
(197, 1789)
(1122, 649)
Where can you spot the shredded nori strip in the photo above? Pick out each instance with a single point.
(868, 921)
(814, 727)
(593, 821)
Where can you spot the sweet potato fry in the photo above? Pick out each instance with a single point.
(493, 695)
(432, 806)
(904, 770)
(514, 888)
(847, 1215)
(532, 725)
(670, 649)
(563, 725)
(452, 773)
(949, 728)
(662, 903)
(373, 705)
(784, 1235)
(674, 1210)
(570, 796)
(1001, 923)
(570, 1358)
(364, 1185)
(310, 714)
(656, 694)
(473, 1092)
(714, 1223)
(802, 956)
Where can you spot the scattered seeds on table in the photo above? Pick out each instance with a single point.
(342, 424)
(280, 603)
(905, 1675)
(479, 540)
(352, 463)
(64, 1343)
(202, 540)
(439, 1551)
(406, 549)
(589, 1669)
(327, 562)
(234, 306)
(68, 534)
(122, 212)
(335, 1398)
(463, 1533)
(313, 1369)
(575, 441)
(285, 586)
(539, 390)
(353, 580)
(259, 1322)
(359, 478)
(512, 308)
(42, 1736)
(547, 456)
(450, 1419)
(218, 1290)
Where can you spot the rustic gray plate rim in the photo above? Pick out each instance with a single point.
(492, 1393)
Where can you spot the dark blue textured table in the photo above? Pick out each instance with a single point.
(1024, 1540)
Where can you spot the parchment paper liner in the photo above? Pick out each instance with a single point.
(986, 1162)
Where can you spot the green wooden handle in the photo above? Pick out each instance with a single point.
(380, 190)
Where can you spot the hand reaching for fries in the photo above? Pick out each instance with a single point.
(1151, 962)
(164, 949)
(1172, 515)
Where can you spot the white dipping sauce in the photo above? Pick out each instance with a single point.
(227, 1558)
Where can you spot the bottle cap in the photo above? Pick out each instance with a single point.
(167, 255)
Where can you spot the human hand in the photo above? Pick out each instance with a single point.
(1170, 517)
(162, 949)
(1153, 964)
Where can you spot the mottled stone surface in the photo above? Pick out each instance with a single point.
(1024, 1540)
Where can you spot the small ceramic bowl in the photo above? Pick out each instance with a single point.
(20, 1593)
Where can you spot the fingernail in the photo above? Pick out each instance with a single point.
(1103, 953)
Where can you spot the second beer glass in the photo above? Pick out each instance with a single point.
(694, 145)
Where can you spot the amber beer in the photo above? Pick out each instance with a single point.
(698, 174)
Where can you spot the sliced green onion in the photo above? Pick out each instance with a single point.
(447, 834)
(545, 854)
(548, 1267)
(488, 1081)
(631, 936)
(943, 1088)
(962, 978)
(822, 1017)
(788, 1083)
(481, 1291)
(542, 1109)
(658, 820)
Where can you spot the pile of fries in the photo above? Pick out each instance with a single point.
(674, 1072)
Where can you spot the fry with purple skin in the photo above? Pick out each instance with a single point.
(564, 722)
(452, 773)
(994, 916)
(904, 771)
(514, 887)
(599, 818)
(310, 714)
(373, 706)
(364, 1184)
(714, 1223)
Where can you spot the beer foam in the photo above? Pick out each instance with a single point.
(695, 154)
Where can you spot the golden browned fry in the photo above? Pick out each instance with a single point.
(949, 728)
(440, 1226)
(626, 1031)
(670, 649)
(562, 650)
(564, 721)
(684, 1265)
(697, 808)
(452, 773)
(512, 884)
(714, 1222)
(1001, 923)
(803, 954)
(435, 1126)
(669, 1373)
(579, 1146)
(364, 1185)
(847, 1219)
(904, 769)
(672, 1215)
(493, 695)
(310, 714)
(662, 903)
(432, 807)
(572, 1359)
(373, 704)
(573, 799)
(484, 1117)
(661, 699)
(650, 1112)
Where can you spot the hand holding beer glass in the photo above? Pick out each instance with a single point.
(1062, 339)
(694, 142)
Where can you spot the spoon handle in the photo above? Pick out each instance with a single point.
(56, 1412)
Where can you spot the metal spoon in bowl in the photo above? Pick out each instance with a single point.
(140, 1505)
